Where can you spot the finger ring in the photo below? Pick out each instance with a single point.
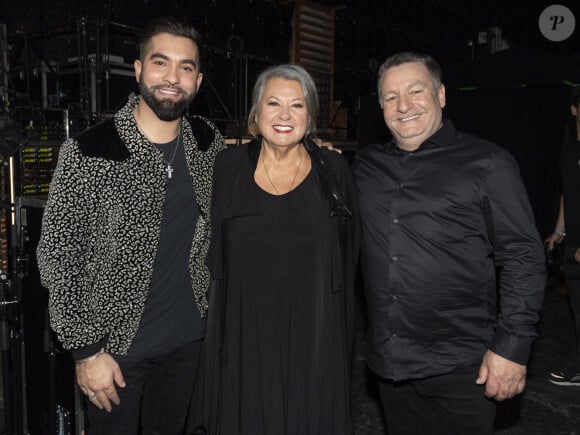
(91, 396)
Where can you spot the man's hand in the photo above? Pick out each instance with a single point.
(327, 145)
(554, 239)
(97, 379)
(503, 378)
(577, 255)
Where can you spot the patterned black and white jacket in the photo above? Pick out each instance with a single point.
(101, 227)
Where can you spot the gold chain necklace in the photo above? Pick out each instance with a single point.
(295, 174)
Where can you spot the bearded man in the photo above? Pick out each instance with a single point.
(124, 238)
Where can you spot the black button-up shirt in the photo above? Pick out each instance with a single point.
(436, 223)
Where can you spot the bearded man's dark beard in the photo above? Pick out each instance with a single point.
(166, 110)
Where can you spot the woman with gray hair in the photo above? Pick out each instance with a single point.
(282, 259)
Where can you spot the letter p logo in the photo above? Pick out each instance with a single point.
(557, 23)
(556, 20)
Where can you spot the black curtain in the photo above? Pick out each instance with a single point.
(528, 121)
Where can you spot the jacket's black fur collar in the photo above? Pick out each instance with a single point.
(103, 140)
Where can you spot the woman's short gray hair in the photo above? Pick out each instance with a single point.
(287, 72)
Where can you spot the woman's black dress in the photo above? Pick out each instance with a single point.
(284, 364)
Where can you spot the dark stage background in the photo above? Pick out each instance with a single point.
(511, 87)
(517, 96)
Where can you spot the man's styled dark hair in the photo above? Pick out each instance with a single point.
(408, 57)
(172, 26)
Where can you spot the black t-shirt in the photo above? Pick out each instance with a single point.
(570, 174)
(171, 317)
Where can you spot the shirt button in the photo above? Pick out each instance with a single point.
(401, 185)
(396, 220)
(395, 259)
(395, 297)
